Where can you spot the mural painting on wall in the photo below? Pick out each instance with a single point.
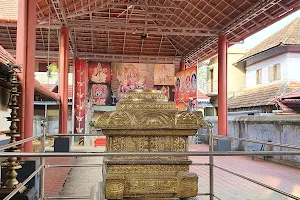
(99, 72)
(186, 85)
(166, 90)
(128, 76)
(164, 74)
(99, 94)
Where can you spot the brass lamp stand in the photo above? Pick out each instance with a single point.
(12, 164)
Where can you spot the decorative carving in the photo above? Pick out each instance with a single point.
(147, 119)
(145, 122)
(147, 169)
(148, 106)
(80, 95)
(12, 164)
(80, 83)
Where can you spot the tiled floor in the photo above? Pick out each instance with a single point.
(226, 185)
(56, 177)
(230, 187)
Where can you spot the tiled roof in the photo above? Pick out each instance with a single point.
(201, 95)
(54, 88)
(5, 57)
(9, 9)
(289, 35)
(294, 94)
(262, 95)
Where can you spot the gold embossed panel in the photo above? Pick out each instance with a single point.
(146, 122)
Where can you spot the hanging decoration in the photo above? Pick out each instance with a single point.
(80, 95)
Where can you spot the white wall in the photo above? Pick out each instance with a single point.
(264, 65)
(43, 78)
(293, 67)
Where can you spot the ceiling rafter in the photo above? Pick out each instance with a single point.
(244, 17)
(127, 21)
(161, 40)
(42, 34)
(200, 11)
(81, 11)
(108, 33)
(93, 38)
(61, 15)
(122, 27)
(168, 38)
(48, 7)
(171, 21)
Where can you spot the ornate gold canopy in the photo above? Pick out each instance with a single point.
(146, 122)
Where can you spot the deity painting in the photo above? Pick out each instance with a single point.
(187, 83)
(129, 76)
(194, 81)
(99, 73)
(164, 74)
(165, 90)
(99, 94)
(177, 84)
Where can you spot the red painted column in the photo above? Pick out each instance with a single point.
(25, 56)
(63, 79)
(222, 86)
(182, 66)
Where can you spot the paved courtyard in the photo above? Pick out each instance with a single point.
(226, 185)
(231, 187)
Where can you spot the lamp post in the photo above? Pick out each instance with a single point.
(12, 164)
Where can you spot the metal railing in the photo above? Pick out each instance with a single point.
(42, 155)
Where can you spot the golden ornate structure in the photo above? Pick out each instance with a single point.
(12, 164)
(146, 122)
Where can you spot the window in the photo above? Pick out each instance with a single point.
(211, 80)
(259, 76)
(274, 72)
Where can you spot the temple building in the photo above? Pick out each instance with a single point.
(271, 71)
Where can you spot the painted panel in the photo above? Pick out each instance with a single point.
(100, 94)
(166, 90)
(164, 74)
(99, 72)
(186, 85)
(128, 76)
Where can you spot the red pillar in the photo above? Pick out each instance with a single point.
(182, 66)
(63, 79)
(222, 86)
(25, 56)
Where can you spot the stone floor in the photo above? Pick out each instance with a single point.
(226, 185)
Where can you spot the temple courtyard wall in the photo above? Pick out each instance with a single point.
(284, 129)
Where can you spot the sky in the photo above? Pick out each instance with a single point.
(258, 37)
